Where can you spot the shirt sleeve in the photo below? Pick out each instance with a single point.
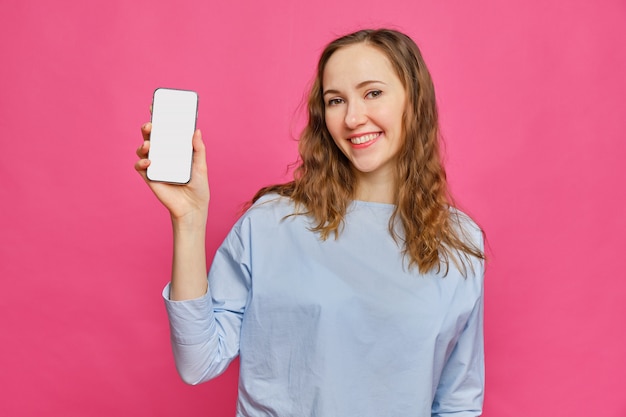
(460, 391)
(205, 332)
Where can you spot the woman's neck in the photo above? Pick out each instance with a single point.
(375, 189)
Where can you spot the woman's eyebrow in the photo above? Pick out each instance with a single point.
(359, 85)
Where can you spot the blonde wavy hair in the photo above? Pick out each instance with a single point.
(324, 182)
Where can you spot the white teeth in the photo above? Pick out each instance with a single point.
(365, 138)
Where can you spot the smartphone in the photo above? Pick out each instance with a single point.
(174, 115)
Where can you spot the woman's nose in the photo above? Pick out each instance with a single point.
(355, 115)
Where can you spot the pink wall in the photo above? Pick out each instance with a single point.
(532, 101)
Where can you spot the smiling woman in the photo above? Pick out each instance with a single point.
(383, 320)
(327, 179)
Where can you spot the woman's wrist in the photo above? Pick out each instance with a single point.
(191, 221)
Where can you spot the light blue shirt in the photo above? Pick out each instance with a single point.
(334, 328)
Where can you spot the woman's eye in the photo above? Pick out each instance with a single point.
(334, 101)
(374, 94)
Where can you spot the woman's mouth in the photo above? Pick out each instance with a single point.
(359, 140)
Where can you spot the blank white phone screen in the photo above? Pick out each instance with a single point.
(173, 124)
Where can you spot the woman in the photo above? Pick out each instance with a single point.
(356, 288)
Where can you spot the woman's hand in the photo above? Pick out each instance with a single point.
(188, 203)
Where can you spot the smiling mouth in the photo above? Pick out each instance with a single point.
(365, 138)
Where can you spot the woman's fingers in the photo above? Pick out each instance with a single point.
(145, 130)
(143, 149)
(142, 164)
(142, 152)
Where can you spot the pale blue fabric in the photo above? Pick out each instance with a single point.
(334, 328)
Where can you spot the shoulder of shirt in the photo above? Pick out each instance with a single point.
(271, 204)
(269, 198)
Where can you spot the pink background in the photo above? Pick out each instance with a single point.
(531, 95)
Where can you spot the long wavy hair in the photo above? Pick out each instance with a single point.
(324, 182)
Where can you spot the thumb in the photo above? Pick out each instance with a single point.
(199, 153)
(198, 146)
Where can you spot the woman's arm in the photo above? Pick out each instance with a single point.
(188, 206)
(205, 335)
(462, 384)
(461, 388)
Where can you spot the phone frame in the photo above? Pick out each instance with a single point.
(174, 118)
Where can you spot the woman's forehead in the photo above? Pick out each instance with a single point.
(354, 64)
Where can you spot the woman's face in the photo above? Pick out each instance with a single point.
(364, 105)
